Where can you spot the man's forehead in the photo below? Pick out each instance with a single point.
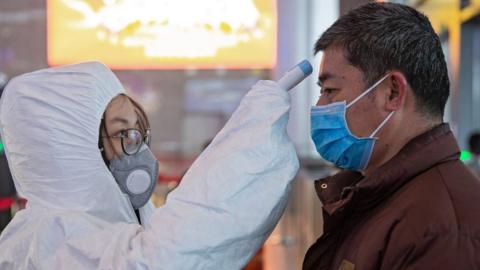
(332, 59)
(334, 65)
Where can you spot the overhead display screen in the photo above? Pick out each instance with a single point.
(163, 34)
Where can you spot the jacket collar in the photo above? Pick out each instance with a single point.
(417, 156)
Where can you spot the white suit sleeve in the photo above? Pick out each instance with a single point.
(235, 192)
(225, 207)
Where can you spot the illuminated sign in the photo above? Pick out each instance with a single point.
(163, 34)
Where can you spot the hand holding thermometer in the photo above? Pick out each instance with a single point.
(295, 75)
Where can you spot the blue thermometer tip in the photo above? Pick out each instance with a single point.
(306, 67)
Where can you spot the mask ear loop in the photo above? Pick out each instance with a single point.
(367, 91)
(382, 124)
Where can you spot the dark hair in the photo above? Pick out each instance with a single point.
(379, 37)
(474, 143)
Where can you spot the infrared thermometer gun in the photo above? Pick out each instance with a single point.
(295, 75)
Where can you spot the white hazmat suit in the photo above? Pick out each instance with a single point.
(77, 218)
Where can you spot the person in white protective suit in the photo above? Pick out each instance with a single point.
(78, 214)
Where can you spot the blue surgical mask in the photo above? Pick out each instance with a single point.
(333, 139)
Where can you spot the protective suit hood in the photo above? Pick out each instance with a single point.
(50, 127)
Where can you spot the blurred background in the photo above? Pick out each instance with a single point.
(189, 63)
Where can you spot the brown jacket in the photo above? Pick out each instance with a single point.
(420, 210)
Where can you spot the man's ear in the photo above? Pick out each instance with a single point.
(398, 91)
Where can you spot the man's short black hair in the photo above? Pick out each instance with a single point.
(379, 37)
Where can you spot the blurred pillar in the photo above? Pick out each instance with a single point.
(300, 23)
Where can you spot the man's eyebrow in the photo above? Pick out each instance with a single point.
(323, 77)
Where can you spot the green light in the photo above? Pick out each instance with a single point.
(1, 147)
(465, 155)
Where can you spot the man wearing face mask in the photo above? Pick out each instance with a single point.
(403, 200)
